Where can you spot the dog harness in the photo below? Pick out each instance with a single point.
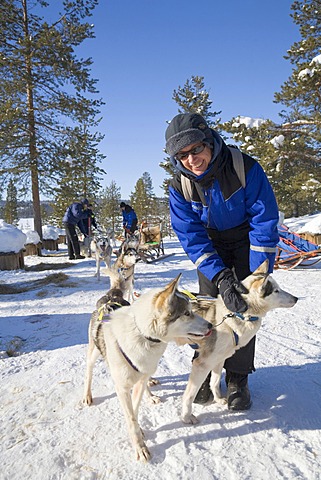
(106, 318)
(101, 310)
(128, 359)
(248, 318)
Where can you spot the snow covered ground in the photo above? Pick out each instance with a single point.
(47, 434)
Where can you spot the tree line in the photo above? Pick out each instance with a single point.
(50, 107)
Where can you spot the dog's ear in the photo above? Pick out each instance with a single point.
(263, 269)
(168, 293)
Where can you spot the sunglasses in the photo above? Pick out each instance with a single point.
(193, 151)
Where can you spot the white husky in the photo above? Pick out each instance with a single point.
(132, 343)
(103, 251)
(230, 332)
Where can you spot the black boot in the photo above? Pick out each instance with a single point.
(204, 395)
(238, 394)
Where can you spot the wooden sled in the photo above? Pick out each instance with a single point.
(292, 251)
(151, 246)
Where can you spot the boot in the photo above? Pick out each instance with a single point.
(238, 394)
(79, 257)
(204, 395)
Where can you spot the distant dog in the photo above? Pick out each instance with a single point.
(125, 265)
(111, 235)
(230, 332)
(132, 341)
(103, 251)
(113, 300)
(85, 246)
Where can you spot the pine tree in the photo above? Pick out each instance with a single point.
(78, 175)
(42, 90)
(300, 94)
(109, 214)
(191, 98)
(143, 199)
(10, 211)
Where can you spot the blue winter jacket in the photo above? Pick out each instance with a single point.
(129, 216)
(219, 202)
(74, 214)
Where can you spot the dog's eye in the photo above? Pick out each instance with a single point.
(187, 313)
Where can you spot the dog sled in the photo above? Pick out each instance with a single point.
(151, 246)
(292, 250)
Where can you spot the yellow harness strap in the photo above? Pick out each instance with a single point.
(101, 311)
(189, 294)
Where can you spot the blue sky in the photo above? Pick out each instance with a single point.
(145, 49)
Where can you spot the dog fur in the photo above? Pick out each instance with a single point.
(125, 266)
(132, 343)
(111, 235)
(103, 252)
(264, 295)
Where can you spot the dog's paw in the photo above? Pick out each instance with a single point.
(190, 419)
(154, 399)
(153, 381)
(143, 454)
(220, 400)
(87, 400)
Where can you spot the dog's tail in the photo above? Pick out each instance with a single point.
(116, 279)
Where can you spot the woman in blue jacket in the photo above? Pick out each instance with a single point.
(222, 226)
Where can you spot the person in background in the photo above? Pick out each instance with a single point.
(75, 213)
(88, 222)
(86, 225)
(129, 218)
(227, 230)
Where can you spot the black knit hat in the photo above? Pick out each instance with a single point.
(122, 204)
(186, 129)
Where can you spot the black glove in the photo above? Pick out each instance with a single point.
(230, 289)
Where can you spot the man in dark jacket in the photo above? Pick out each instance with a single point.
(227, 230)
(129, 218)
(75, 213)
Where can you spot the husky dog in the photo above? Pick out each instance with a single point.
(103, 252)
(230, 332)
(132, 342)
(85, 246)
(125, 265)
(111, 235)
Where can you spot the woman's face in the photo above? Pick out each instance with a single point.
(195, 157)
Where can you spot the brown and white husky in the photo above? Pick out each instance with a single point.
(132, 341)
(230, 332)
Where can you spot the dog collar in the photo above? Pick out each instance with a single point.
(247, 319)
(250, 318)
(156, 340)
